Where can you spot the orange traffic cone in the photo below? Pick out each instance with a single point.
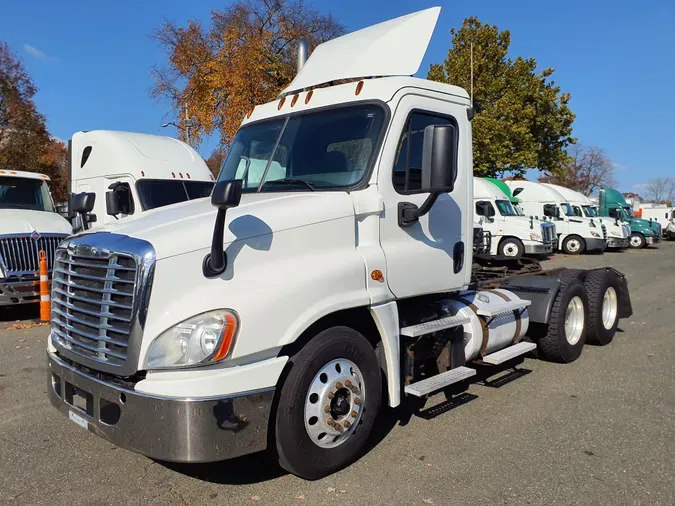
(45, 304)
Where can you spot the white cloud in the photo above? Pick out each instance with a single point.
(36, 53)
(640, 186)
(619, 166)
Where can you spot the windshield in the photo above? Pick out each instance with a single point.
(332, 148)
(505, 208)
(24, 193)
(519, 210)
(567, 209)
(159, 193)
(590, 211)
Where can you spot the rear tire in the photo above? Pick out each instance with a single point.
(566, 332)
(573, 245)
(603, 306)
(511, 247)
(637, 240)
(308, 443)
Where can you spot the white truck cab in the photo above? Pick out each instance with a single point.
(575, 234)
(618, 231)
(28, 224)
(512, 235)
(130, 173)
(333, 264)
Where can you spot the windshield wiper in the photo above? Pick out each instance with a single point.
(291, 181)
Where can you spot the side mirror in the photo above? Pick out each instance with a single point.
(551, 210)
(484, 208)
(517, 191)
(83, 204)
(439, 170)
(225, 195)
(119, 200)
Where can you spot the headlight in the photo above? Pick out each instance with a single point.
(615, 234)
(535, 237)
(202, 339)
(595, 234)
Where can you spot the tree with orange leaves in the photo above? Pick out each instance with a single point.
(246, 57)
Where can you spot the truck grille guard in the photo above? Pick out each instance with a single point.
(100, 291)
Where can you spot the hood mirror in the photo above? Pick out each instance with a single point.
(225, 195)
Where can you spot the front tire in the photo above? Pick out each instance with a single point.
(328, 403)
(511, 247)
(566, 333)
(573, 245)
(603, 306)
(637, 240)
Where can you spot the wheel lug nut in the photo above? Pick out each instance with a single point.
(348, 384)
(338, 427)
(331, 395)
(354, 414)
(355, 390)
(326, 409)
(357, 401)
(338, 385)
(347, 424)
(330, 421)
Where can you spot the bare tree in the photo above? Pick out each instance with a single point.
(660, 189)
(587, 170)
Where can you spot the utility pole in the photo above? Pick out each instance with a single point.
(188, 125)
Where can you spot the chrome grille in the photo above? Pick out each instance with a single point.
(547, 231)
(93, 304)
(19, 253)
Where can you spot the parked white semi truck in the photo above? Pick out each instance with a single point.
(512, 235)
(618, 231)
(575, 235)
(130, 173)
(283, 314)
(28, 224)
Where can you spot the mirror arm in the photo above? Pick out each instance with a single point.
(215, 262)
(409, 213)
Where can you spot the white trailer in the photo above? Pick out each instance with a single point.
(618, 231)
(130, 173)
(28, 224)
(575, 235)
(282, 314)
(512, 235)
(660, 213)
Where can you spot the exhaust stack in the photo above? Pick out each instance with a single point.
(303, 53)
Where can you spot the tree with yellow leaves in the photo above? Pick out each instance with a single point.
(246, 57)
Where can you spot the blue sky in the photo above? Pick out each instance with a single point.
(92, 60)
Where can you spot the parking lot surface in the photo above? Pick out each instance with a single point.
(597, 431)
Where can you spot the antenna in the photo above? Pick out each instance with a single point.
(472, 74)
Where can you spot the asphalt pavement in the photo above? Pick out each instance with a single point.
(598, 431)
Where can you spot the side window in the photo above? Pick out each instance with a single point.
(408, 161)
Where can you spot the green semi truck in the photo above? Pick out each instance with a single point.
(643, 232)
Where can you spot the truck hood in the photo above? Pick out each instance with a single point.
(188, 226)
(25, 221)
(643, 226)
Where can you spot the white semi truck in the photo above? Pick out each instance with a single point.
(575, 235)
(283, 313)
(28, 224)
(130, 173)
(618, 231)
(512, 235)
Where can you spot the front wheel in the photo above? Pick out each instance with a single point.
(637, 240)
(328, 403)
(573, 245)
(511, 247)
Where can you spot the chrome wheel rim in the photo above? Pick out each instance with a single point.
(635, 241)
(511, 250)
(573, 245)
(610, 308)
(334, 403)
(574, 320)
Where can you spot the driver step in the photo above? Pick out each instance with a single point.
(501, 356)
(434, 326)
(434, 383)
(503, 308)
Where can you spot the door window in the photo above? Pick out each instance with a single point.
(408, 161)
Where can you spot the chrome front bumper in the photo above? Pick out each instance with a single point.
(538, 249)
(169, 429)
(613, 242)
(19, 292)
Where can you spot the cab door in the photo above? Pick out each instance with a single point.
(432, 254)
